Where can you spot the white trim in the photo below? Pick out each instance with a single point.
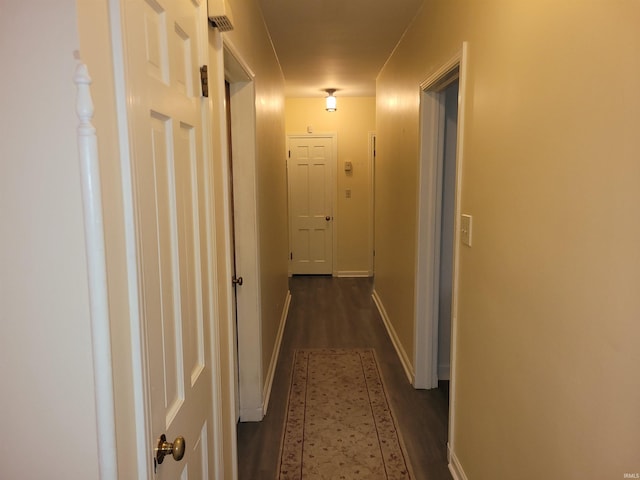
(454, 466)
(238, 70)
(217, 442)
(245, 214)
(462, 99)
(444, 76)
(402, 354)
(142, 434)
(276, 353)
(353, 273)
(214, 307)
(217, 98)
(97, 276)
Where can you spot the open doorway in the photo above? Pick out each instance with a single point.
(242, 138)
(447, 226)
(442, 103)
(436, 226)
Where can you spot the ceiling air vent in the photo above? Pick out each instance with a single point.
(220, 15)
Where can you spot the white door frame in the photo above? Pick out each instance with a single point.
(249, 332)
(334, 210)
(432, 116)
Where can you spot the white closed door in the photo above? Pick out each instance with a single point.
(163, 40)
(310, 172)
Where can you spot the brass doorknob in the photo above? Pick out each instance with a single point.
(176, 449)
(327, 218)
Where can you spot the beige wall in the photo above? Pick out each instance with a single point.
(352, 122)
(547, 382)
(46, 365)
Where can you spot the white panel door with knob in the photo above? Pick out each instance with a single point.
(310, 169)
(164, 44)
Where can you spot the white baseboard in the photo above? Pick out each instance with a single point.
(402, 354)
(444, 372)
(454, 466)
(276, 353)
(353, 273)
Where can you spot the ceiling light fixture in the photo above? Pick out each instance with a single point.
(331, 101)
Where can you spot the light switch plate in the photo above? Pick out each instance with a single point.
(465, 229)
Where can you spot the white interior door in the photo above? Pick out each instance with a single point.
(311, 179)
(163, 39)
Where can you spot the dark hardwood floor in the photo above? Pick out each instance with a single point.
(339, 313)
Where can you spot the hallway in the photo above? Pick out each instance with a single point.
(340, 313)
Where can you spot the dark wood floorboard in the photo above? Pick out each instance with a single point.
(339, 313)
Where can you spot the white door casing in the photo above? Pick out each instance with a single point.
(163, 42)
(238, 73)
(428, 236)
(311, 177)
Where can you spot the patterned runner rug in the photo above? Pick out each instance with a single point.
(339, 423)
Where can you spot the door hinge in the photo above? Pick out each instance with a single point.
(291, 255)
(204, 80)
(289, 153)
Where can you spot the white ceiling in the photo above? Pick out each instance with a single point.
(339, 44)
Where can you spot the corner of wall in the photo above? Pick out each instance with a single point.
(402, 354)
(454, 465)
(276, 353)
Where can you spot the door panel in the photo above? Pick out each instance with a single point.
(310, 170)
(162, 51)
